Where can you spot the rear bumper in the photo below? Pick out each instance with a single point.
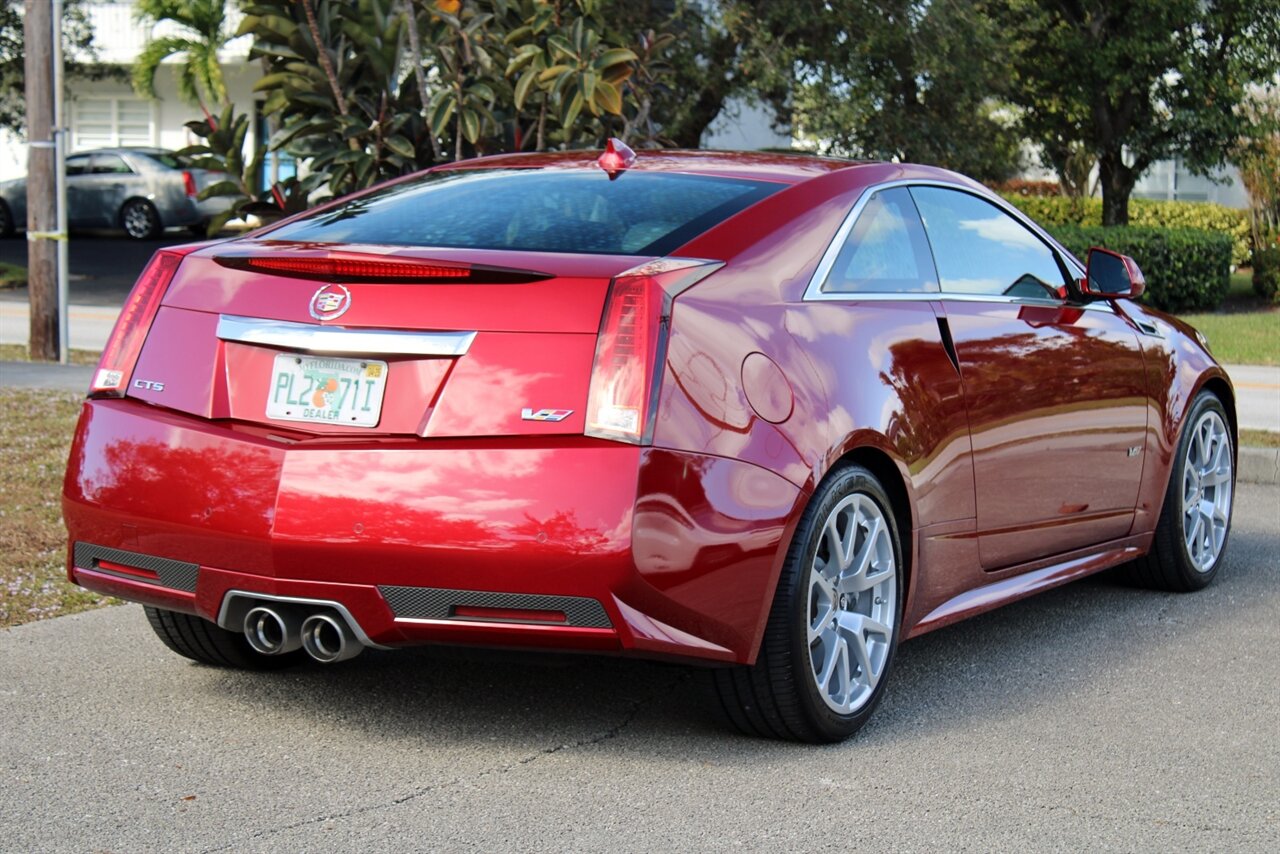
(560, 542)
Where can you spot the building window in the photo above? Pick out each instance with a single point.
(111, 123)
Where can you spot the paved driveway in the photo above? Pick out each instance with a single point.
(1094, 716)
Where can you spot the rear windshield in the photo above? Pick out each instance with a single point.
(536, 210)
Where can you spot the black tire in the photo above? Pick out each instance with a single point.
(140, 220)
(1170, 565)
(6, 220)
(200, 640)
(779, 696)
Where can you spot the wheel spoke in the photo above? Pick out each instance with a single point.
(830, 657)
(821, 624)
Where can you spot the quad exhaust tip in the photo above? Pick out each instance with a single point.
(328, 639)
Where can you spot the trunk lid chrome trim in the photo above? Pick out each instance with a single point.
(340, 339)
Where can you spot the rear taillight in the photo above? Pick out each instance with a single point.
(189, 184)
(631, 348)
(125, 343)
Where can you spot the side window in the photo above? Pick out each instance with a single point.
(78, 165)
(886, 252)
(980, 249)
(110, 164)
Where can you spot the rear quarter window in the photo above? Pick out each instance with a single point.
(539, 210)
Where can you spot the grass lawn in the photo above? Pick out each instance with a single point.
(1245, 330)
(35, 434)
(19, 353)
(12, 276)
(1259, 439)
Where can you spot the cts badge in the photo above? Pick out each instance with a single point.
(527, 414)
(148, 385)
(330, 302)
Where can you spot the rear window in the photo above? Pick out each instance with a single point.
(168, 159)
(536, 210)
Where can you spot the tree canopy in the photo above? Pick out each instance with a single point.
(1139, 81)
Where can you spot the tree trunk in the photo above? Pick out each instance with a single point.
(1117, 184)
(420, 76)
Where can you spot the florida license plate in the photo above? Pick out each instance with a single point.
(325, 390)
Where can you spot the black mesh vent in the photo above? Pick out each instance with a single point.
(435, 603)
(175, 574)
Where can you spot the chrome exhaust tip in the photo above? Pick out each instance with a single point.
(328, 639)
(272, 632)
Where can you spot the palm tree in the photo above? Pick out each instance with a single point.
(201, 31)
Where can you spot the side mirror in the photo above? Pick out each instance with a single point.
(1112, 276)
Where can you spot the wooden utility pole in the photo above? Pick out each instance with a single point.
(42, 224)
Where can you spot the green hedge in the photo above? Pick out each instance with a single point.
(1051, 211)
(1266, 272)
(1186, 269)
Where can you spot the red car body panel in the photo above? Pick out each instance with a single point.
(680, 540)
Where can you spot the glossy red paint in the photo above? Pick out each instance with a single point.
(1024, 445)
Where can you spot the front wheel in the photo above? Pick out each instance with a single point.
(140, 219)
(833, 628)
(1191, 535)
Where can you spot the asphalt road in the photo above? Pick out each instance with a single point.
(103, 265)
(1092, 717)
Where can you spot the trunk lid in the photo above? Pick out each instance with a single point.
(361, 341)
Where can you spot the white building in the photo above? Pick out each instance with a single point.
(107, 113)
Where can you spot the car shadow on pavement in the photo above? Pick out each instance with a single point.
(993, 666)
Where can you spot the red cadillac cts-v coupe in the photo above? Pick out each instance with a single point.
(771, 414)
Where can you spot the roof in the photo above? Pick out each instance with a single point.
(758, 165)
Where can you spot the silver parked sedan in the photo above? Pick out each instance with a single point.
(142, 190)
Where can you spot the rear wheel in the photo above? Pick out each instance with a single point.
(140, 219)
(1191, 536)
(833, 629)
(200, 640)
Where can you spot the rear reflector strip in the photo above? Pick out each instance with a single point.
(308, 338)
(166, 572)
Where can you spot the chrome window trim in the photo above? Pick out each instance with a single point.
(814, 293)
(311, 338)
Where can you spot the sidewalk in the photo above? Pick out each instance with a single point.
(88, 325)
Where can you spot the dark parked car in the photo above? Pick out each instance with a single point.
(769, 414)
(141, 190)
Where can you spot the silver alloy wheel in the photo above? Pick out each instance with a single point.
(1206, 491)
(139, 219)
(853, 602)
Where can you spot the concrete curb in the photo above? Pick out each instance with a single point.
(1258, 465)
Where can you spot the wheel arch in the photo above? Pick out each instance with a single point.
(1222, 389)
(890, 473)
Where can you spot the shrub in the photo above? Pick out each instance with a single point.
(1186, 269)
(1266, 272)
(1052, 211)
(1023, 187)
